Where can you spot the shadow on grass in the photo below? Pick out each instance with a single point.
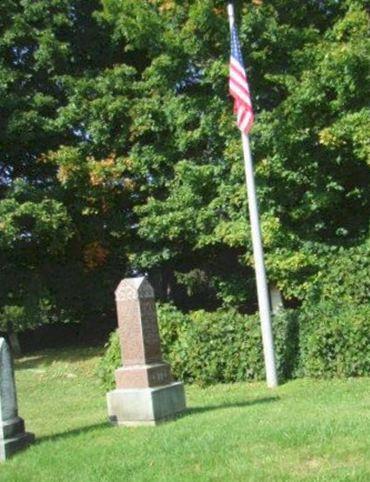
(71, 433)
(247, 403)
(189, 412)
(46, 358)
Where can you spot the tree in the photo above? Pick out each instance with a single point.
(119, 152)
(43, 45)
(308, 71)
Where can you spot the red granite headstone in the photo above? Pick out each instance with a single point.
(139, 337)
(146, 394)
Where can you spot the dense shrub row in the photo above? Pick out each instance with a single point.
(334, 341)
(225, 346)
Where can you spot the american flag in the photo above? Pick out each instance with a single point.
(238, 85)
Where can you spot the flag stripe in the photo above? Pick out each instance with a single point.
(238, 67)
(238, 79)
(238, 86)
(237, 91)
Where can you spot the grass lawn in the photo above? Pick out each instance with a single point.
(304, 430)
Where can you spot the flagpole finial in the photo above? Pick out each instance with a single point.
(230, 10)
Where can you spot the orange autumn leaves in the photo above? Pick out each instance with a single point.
(102, 171)
(111, 172)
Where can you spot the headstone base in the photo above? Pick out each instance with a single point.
(14, 438)
(140, 376)
(145, 406)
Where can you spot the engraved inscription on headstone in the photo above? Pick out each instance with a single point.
(12, 434)
(144, 378)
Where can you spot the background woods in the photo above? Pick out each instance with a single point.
(119, 155)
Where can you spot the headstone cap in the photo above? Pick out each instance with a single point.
(134, 289)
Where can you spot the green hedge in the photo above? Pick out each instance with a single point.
(334, 341)
(225, 346)
(208, 347)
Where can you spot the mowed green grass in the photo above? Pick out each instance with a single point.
(304, 430)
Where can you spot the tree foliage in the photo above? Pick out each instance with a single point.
(119, 151)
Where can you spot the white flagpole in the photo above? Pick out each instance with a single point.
(262, 290)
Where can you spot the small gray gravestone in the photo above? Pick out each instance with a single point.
(276, 300)
(146, 394)
(12, 434)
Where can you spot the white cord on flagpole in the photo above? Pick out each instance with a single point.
(262, 289)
